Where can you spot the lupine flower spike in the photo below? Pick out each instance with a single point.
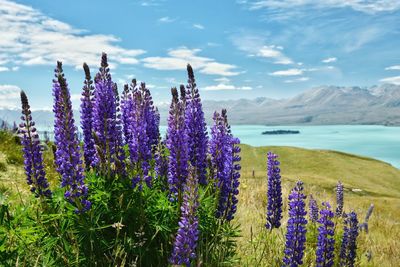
(326, 241)
(107, 123)
(348, 249)
(313, 209)
(296, 228)
(68, 158)
(339, 199)
(274, 194)
(87, 118)
(32, 150)
(196, 128)
(225, 159)
(184, 250)
(177, 145)
(364, 225)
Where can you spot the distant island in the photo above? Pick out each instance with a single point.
(281, 132)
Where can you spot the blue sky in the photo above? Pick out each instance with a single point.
(239, 49)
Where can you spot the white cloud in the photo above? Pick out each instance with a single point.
(9, 96)
(222, 80)
(255, 46)
(301, 79)
(329, 60)
(289, 72)
(392, 80)
(151, 3)
(198, 26)
(4, 69)
(275, 53)
(223, 86)
(395, 67)
(32, 38)
(366, 6)
(177, 59)
(166, 20)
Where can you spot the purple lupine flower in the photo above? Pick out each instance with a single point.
(141, 126)
(219, 151)
(107, 123)
(339, 199)
(234, 179)
(87, 118)
(161, 161)
(274, 206)
(184, 250)
(296, 228)
(120, 167)
(313, 209)
(177, 145)
(348, 249)
(326, 241)
(152, 117)
(225, 164)
(196, 128)
(33, 159)
(67, 155)
(364, 225)
(127, 110)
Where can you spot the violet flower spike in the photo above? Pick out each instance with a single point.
(274, 194)
(87, 119)
(348, 249)
(296, 228)
(184, 249)
(107, 123)
(196, 128)
(326, 242)
(313, 209)
(177, 145)
(225, 165)
(32, 152)
(67, 155)
(339, 199)
(139, 141)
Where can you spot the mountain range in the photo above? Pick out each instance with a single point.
(318, 106)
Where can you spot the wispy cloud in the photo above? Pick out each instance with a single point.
(301, 79)
(9, 96)
(177, 59)
(32, 38)
(329, 60)
(223, 86)
(256, 46)
(166, 20)
(366, 6)
(289, 72)
(392, 80)
(198, 26)
(222, 80)
(151, 3)
(395, 67)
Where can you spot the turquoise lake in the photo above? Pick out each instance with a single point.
(379, 142)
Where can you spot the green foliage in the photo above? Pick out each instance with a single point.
(14, 158)
(125, 227)
(3, 167)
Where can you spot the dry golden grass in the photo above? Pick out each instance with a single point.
(320, 171)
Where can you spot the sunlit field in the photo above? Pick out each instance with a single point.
(132, 222)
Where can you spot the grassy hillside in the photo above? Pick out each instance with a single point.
(320, 170)
(376, 182)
